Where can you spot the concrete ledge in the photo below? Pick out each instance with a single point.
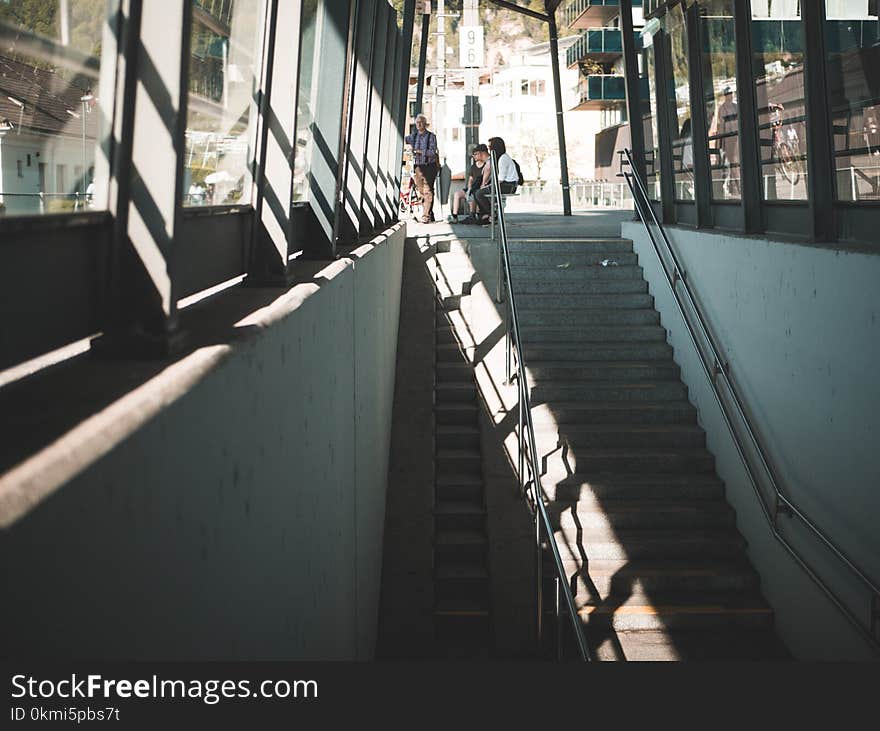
(140, 491)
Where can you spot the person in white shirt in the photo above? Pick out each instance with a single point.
(507, 174)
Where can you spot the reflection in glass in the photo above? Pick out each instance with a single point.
(224, 75)
(722, 111)
(678, 98)
(778, 63)
(50, 106)
(305, 115)
(648, 98)
(852, 43)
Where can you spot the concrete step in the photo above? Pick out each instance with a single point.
(534, 293)
(455, 391)
(464, 622)
(451, 515)
(634, 371)
(458, 462)
(450, 353)
(643, 514)
(445, 334)
(574, 391)
(535, 353)
(728, 644)
(594, 257)
(523, 276)
(460, 544)
(594, 334)
(595, 490)
(578, 302)
(579, 436)
(456, 487)
(568, 317)
(634, 543)
(554, 246)
(696, 614)
(467, 581)
(456, 436)
(631, 460)
(455, 413)
(455, 372)
(614, 412)
(598, 580)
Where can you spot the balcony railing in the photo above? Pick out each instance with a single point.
(602, 87)
(595, 42)
(580, 14)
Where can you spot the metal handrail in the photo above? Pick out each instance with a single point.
(526, 427)
(717, 366)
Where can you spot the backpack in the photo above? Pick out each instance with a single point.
(519, 176)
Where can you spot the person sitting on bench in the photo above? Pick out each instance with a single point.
(507, 175)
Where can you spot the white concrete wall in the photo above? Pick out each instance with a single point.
(244, 520)
(799, 326)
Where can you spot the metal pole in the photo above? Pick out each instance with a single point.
(557, 97)
(633, 100)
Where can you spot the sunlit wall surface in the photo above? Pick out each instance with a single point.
(52, 119)
(224, 73)
(852, 38)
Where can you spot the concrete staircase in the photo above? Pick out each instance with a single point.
(648, 540)
(461, 570)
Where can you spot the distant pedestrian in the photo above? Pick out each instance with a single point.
(426, 164)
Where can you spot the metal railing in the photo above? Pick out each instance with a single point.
(526, 442)
(718, 369)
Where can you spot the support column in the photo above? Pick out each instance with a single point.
(141, 308)
(423, 57)
(699, 131)
(820, 159)
(273, 237)
(560, 121)
(749, 135)
(633, 101)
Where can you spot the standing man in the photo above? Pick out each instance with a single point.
(424, 146)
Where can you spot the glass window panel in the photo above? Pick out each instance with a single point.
(678, 99)
(51, 113)
(305, 115)
(225, 57)
(778, 67)
(722, 111)
(648, 99)
(852, 43)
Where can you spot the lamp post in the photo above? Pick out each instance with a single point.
(86, 99)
